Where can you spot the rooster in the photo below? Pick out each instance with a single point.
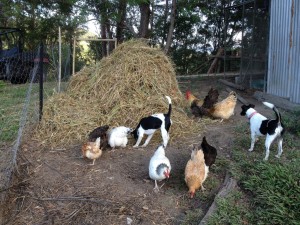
(210, 152)
(91, 150)
(225, 108)
(199, 107)
(195, 171)
(159, 166)
(102, 133)
(193, 100)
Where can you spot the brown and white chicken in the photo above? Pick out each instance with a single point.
(195, 171)
(91, 150)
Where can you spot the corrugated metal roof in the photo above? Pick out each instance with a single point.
(284, 48)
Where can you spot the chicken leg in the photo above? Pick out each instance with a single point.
(156, 188)
(93, 162)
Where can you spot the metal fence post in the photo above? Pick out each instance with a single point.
(41, 73)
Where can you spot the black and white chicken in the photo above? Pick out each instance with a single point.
(159, 166)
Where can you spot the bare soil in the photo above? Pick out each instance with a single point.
(57, 186)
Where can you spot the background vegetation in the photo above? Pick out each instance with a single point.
(187, 32)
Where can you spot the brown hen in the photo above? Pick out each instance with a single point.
(225, 108)
(195, 171)
(91, 150)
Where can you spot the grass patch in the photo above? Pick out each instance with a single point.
(276, 193)
(12, 98)
(292, 121)
(232, 210)
(192, 217)
(272, 188)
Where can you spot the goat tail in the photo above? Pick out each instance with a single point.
(170, 105)
(272, 106)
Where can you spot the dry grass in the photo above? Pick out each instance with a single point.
(118, 90)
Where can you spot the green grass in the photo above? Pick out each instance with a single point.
(192, 217)
(12, 98)
(232, 210)
(270, 190)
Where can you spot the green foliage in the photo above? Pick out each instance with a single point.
(292, 121)
(12, 98)
(276, 192)
(192, 217)
(200, 26)
(232, 210)
(40, 19)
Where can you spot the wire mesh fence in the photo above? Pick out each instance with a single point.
(21, 100)
(22, 94)
(254, 19)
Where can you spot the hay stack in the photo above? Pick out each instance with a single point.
(119, 90)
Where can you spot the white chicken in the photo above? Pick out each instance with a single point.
(159, 166)
(117, 137)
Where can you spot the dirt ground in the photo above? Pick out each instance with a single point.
(57, 186)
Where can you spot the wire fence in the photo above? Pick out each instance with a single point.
(254, 18)
(27, 79)
(22, 79)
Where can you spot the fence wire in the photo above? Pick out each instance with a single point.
(20, 103)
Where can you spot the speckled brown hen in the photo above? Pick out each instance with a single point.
(91, 150)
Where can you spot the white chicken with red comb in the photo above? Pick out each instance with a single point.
(159, 166)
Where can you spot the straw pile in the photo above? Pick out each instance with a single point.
(117, 91)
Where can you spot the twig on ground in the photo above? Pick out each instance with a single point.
(71, 198)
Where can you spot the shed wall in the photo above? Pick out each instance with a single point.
(284, 50)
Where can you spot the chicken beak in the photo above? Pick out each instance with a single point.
(192, 194)
(167, 174)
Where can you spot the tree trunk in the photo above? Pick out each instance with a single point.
(151, 19)
(103, 20)
(103, 36)
(121, 20)
(214, 64)
(164, 37)
(171, 28)
(111, 45)
(145, 19)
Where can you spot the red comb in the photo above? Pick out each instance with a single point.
(187, 94)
